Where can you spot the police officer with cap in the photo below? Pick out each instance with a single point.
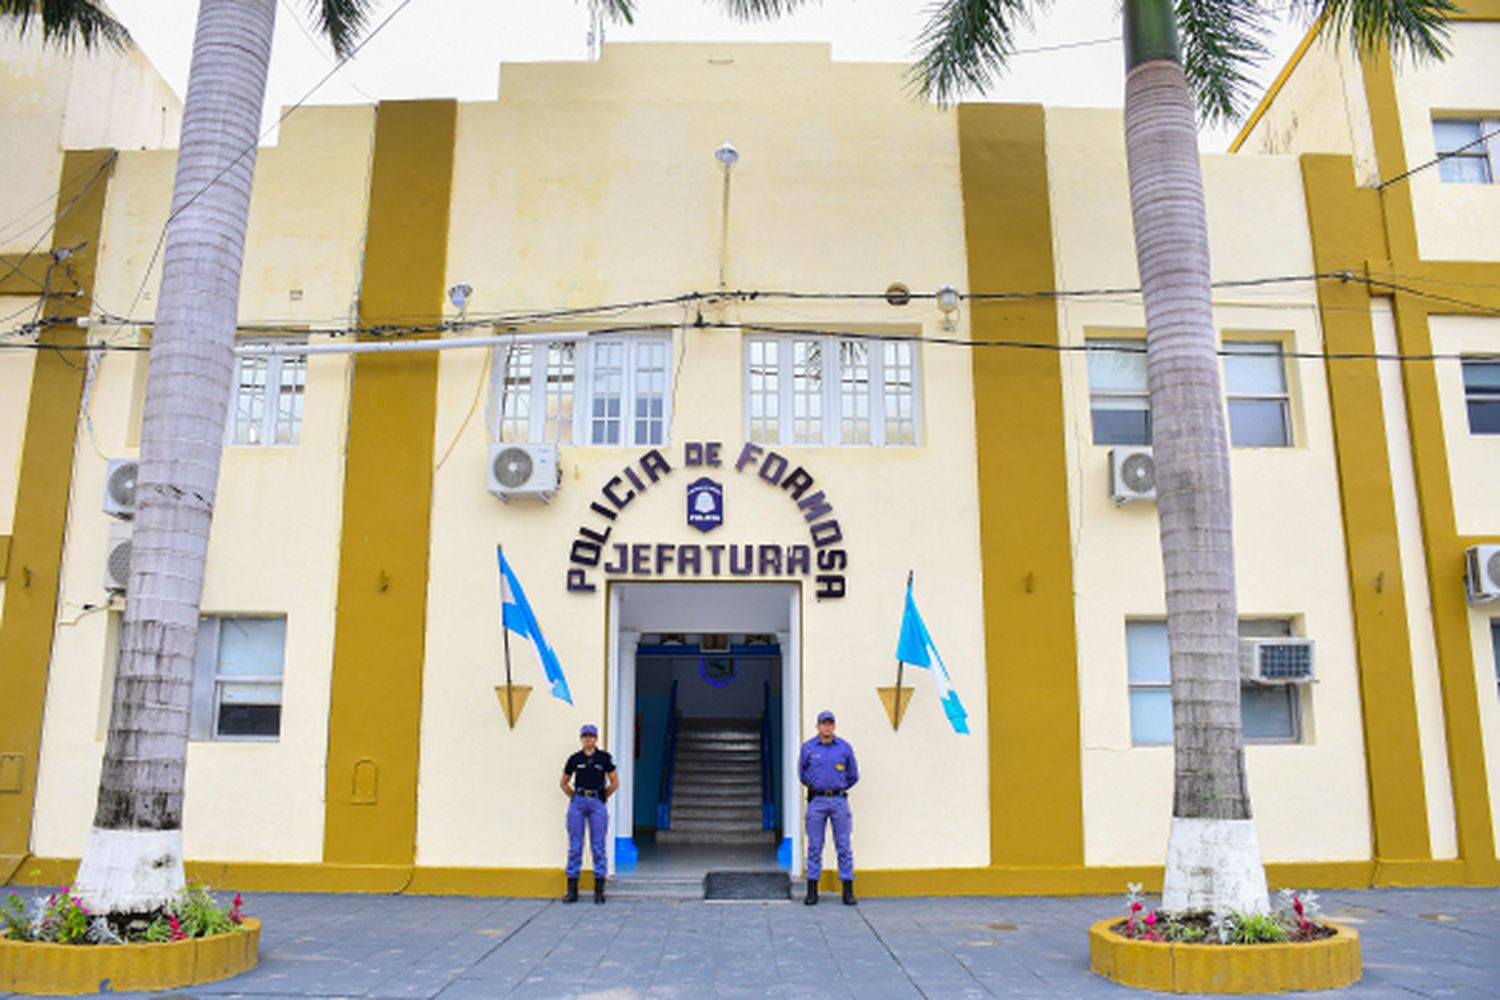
(588, 780)
(828, 770)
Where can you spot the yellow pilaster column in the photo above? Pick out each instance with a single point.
(380, 630)
(1347, 232)
(1440, 539)
(42, 488)
(1036, 784)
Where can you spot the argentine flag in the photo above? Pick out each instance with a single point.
(516, 615)
(916, 647)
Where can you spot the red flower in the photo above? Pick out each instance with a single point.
(234, 913)
(177, 934)
(1136, 907)
(1151, 919)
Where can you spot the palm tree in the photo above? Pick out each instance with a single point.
(1213, 858)
(133, 861)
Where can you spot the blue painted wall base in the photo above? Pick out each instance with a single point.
(784, 853)
(626, 854)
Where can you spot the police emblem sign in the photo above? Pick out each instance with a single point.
(705, 504)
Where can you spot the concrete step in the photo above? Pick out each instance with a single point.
(717, 784)
(715, 824)
(739, 760)
(683, 813)
(634, 887)
(712, 765)
(702, 746)
(675, 836)
(714, 799)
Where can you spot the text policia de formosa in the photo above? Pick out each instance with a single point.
(595, 551)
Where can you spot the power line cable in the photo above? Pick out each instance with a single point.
(1438, 159)
(161, 239)
(62, 213)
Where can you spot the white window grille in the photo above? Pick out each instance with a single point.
(237, 681)
(1470, 149)
(1119, 397)
(1260, 410)
(1270, 713)
(1482, 395)
(830, 390)
(604, 390)
(267, 405)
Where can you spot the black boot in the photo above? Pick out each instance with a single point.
(849, 899)
(812, 893)
(571, 896)
(598, 889)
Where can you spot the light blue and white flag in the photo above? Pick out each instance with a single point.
(516, 615)
(916, 647)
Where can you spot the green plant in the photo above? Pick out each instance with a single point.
(1258, 928)
(200, 914)
(13, 916)
(1172, 930)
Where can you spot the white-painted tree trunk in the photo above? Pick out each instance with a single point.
(134, 859)
(1213, 861)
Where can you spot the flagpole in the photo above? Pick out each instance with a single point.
(901, 665)
(510, 704)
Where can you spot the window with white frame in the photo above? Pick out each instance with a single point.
(1470, 149)
(267, 404)
(1260, 410)
(1269, 713)
(237, 679)
(602, 390)
(1482, 395)
(1495, 642)
(830, 390)
(1119, 396)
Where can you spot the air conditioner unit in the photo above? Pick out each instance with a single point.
(119, 487)
(117, 557)
(1483, 574)
(1132, 475)
(523, 470)
(1276, 661)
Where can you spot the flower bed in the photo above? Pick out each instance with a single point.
(1287, 949)
(56, 946)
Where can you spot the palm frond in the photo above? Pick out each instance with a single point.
(65, 23)
(343, 21)
(760, 10)
(967, 44)
(1222, 42)
(618, 11)
(1418, 28)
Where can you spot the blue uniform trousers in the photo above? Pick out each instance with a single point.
(832, 809)
(593, 813)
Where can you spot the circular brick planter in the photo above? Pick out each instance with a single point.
(70, 969)
(1213, 968)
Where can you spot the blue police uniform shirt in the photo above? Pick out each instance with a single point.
(828, 766)
(588, 770)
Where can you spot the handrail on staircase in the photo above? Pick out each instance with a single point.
(668, 773)
(767, 804)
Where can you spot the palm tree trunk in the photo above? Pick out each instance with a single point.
(1213, 858)
(133, 862)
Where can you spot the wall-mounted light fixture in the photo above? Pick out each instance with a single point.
(727, 156)
(947, 301)
(459, 294)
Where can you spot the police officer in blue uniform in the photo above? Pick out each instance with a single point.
(828, 770)
(588, 780)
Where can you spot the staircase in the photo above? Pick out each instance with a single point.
(716, 791)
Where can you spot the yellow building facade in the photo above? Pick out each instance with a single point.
(753, 420)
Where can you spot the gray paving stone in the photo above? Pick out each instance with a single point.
(318, 945)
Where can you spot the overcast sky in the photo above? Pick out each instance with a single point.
(453, 48)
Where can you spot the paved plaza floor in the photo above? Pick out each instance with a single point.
(1417, 943)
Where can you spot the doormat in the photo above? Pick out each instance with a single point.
(747, 885)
